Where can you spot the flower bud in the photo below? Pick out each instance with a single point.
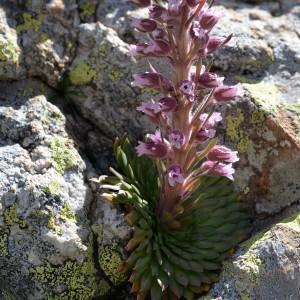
(158, 33)
(144, 25)
(214, 43)
(204, 134)
(212, 122)
(217, 169)
(209, 19)
(152, 80)
(177, 139)
(222, 153)
(142, 3)
(226, 93)
(168, 104)
(175, 175)
(210, 80)
(199, 35)
(175, 7)
(152, 110)
(157, 12)
(193, 3)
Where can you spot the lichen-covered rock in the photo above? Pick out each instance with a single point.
(265, 267)
(48, 249)
(266, 133)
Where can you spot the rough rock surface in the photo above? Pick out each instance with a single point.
(265, 267)
(56, 237)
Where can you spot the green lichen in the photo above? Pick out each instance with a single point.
(110, 259)
(104, 288)
(255, 240)
(44, 38)
(8, 296)
(113, 72)
(53, 188)
(8, 52)
(3, 244)
(29, 23)
(11, 217)
(54, 226)
(88, 9)
(244, 296)
(52, 116)
(235, 133)
(63, 158)
(265, 95)
(292, 222)
(82, 74)
(66, 213)
(258, 117)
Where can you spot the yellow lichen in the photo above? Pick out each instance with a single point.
(8, 51)
(233, 124)
(82, 74)
(11, 217)
(54, 226)
(88, 9)
(3, 244)
(53, 188)
(63, 158)
(29, 23)
(110, 259)
(66, 213)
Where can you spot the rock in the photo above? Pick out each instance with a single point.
(47, 246)
(264, 267)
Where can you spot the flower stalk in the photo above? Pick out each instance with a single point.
(184, 145)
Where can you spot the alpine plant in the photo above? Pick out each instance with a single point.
(176, 185)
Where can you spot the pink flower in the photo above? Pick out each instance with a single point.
(188, 89)
(167, 104)
(200, 35)
(155, 48)
(209, 19)
(226, 93)
(152, 110)
(214, 43)
(222, 153)
(177, 139)
(156, 12)
(144, 25)
(175, 6)
(217, 169)
(175, 175)
(152, 80)
(210, 80)
(205, 134)
(155, 148)
(193, 3)
(158, 33)
(214, 119)
(142, 3)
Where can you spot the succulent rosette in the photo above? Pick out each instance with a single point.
(177, 183)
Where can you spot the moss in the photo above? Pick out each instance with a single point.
(29, 23)
(235, 133)
(66, 213)
(82, 74)
(54, 226)
(110, 259)
(53, 188)
(11, 217)
(9, 52)
(63, 158)
(265, 95)
(88, 9)
(3, 244)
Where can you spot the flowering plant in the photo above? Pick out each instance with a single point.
(177, 185)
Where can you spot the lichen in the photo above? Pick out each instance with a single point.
(265, 96)
(44, 38)
(110, 259)
(8, 52)
(11, 217)
(235, 133)
(98, 232)
(292, 222)
(244, 296)
(113, 72)
(29, 23)
(294, 110)
(82, 74)
(255, 240)
(63, 158)
(88, 9)
(104, 288)
(54, 226)
(66, 213)
(53, 188)
(8, 296)
(3, 244)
